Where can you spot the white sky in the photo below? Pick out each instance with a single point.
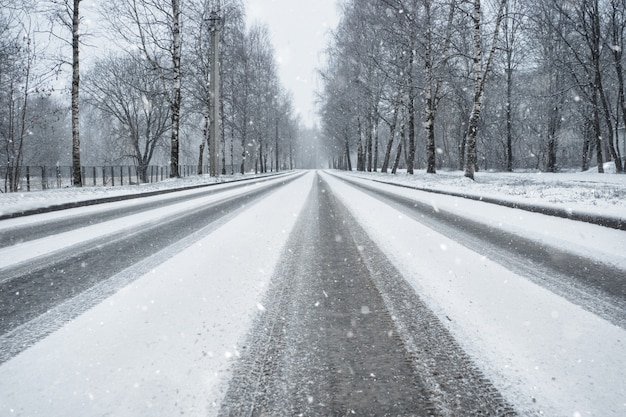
(300, 32)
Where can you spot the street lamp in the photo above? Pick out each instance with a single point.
(215, 25)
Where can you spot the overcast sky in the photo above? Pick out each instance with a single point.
(300, 31)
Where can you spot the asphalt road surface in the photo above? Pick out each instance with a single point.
(331, 341)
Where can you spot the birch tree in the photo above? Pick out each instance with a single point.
(617, 28)
(480, 73)
(436, 48)
(67, 14)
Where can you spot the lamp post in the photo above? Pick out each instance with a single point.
(215, 23)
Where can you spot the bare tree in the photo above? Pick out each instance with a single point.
(20, 81)
(67, 14)
(480, 74)
(154, 26)
(131, 94)
(436, 49)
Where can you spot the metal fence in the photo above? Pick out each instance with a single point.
(33, 178)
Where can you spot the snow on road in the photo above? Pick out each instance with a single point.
(542, 352)
(28, 250)
(164, 344)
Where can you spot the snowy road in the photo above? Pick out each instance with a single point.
(312, 294)
(59, 255)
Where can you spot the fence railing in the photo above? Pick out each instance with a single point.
(33, 178)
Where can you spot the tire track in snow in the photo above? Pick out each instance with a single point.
(343, 333)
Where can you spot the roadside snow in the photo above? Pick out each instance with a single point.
(20, 201)
(580, 191)
(164, 344)
(585, 192)
(546, 355)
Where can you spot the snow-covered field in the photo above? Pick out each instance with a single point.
(163, 345)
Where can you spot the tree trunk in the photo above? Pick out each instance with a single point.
(176, 89)
(509, 36)
(429, 123)
(368, 141)
(509, 115)
(223, 130)
(554, 124)
(480, 79)
(552, 141)
(385, 166)
(586, 146)
(398, 151)
(347, 144)
(276, 150)
(244, 139)
(411, 113)
(360, 163)
(232, 151)
(76, 168)
(397, 160)
(431, 151)
(462, 148)
(597, 131)
(201, 158)
(376, 144)
(434, 80)
(611, 132)
(392, 134)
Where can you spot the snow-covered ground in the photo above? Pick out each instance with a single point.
(583, 192)
(163, 345)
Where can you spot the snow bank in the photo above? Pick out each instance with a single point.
(164, 344)
(545, 354)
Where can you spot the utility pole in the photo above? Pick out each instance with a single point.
(215, 25)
